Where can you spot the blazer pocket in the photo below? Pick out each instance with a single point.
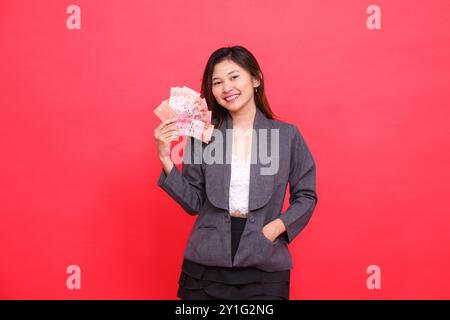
(267, 240)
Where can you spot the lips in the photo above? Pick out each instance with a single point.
(232, 97)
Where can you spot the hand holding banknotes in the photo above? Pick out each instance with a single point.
(194, 118)
(165, 133)
(184, 113)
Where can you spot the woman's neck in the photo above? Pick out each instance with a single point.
(243, 119)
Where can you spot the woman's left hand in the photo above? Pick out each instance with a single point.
(273, 229)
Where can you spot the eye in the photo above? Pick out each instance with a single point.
(216, 83)
(234, 77)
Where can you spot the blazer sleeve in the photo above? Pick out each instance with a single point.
(187, 187)
(302, 187)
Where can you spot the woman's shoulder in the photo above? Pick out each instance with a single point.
(286, 128)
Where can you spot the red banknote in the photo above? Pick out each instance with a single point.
(194, 118)
(164, 111)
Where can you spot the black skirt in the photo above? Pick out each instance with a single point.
(199, 282)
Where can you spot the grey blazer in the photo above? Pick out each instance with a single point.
(203, 189)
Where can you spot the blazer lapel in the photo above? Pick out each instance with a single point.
(261, 186)
(217, 175)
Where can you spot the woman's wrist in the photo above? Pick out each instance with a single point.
(167, 164)
(280, 226)
(165, 159)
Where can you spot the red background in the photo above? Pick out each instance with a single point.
(79, 163)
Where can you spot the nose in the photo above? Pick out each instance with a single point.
(227, 86)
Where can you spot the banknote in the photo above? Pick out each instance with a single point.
(194, 117)
(164, 111)
(195, 128)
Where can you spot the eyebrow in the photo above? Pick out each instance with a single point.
(227, 74)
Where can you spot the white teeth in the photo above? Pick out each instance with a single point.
(232, 97)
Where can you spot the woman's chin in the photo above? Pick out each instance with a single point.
(232, 107)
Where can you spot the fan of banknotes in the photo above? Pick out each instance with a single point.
(194, 118)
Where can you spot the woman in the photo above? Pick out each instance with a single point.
(238, 247)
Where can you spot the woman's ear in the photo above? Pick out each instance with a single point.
(256, 82)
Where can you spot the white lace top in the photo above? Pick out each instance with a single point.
(239, 184)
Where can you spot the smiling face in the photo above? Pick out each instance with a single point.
(233, 87)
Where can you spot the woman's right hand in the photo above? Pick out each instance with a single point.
(165, 133)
